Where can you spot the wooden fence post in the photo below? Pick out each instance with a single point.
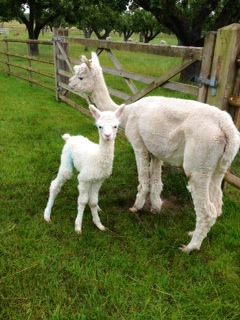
(208, 50)
(60, 64)
(224, 68)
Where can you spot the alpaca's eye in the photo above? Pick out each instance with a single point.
(100, 127)
(115, 127)
(80, 78)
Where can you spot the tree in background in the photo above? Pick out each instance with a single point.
(147, 25)
(125, 25)
(35, 14)
(190, 19)
(99, 16)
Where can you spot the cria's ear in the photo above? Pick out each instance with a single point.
(85, 60)
(119, 112)
(95, 60)
(94, 111)
(76, 69)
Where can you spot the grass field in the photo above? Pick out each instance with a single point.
(134, 270)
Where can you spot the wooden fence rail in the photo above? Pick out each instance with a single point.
(27, 57)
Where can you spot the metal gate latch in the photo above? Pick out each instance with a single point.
(212, 83)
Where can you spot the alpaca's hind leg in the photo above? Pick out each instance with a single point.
(215, 191)
(142, 159)
(64, 174)
(155, 184)
(93, 204)
(83, 188)
(205, 210)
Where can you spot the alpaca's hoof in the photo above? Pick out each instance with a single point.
(101, 227)
(78, 230)
(155, 210)
(188, 249)
(133, 209)
(47, 218)
(185, 249)
(190, 234)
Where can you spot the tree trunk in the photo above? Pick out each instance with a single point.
(33, 35)
(34, 49)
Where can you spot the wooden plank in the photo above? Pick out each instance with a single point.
(224, 66)
(64, 56)
(208, 51)
(129, 75)
(118, 66)
(29, 65)
(26, 57)
(30, 70)
(7, 58)
(74, 105)
(44, 42)
(170, 51)
(32, 81)
(119, 94)
(232, 179)
(160, 81)
(181, 87)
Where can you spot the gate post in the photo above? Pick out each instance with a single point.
(224, 68)
(59, 62)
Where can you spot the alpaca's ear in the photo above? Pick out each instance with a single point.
(95, 60)
(119, 112)
(94, 111)
(85, 60)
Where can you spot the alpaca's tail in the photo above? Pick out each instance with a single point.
(66, 136)
(232, 137)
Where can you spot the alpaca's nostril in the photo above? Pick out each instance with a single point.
(108, 136)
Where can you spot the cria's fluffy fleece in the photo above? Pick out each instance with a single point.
(200, 137)
(93, 162)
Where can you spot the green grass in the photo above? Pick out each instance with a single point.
(134, 271)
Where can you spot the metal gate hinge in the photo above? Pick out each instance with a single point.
(212, 83)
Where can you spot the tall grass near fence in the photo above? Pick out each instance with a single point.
(134, 270)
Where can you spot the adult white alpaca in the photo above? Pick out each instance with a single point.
(200, 137)
(93, 162)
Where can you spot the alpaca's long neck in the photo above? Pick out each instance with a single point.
(106, 155)
(100, 95)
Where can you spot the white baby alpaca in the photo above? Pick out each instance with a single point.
(93, 162)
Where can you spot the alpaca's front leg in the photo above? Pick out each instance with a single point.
(142, 159)
(155, 184)
(83, 188)
(93, 204)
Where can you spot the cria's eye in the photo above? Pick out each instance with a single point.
(80, 78)
(115, 127)
(100, 127)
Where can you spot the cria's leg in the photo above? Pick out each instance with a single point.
(142, 159)
(156, 184)
(64, 174)
(83, 188)
(205, 210)
(93, 204)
